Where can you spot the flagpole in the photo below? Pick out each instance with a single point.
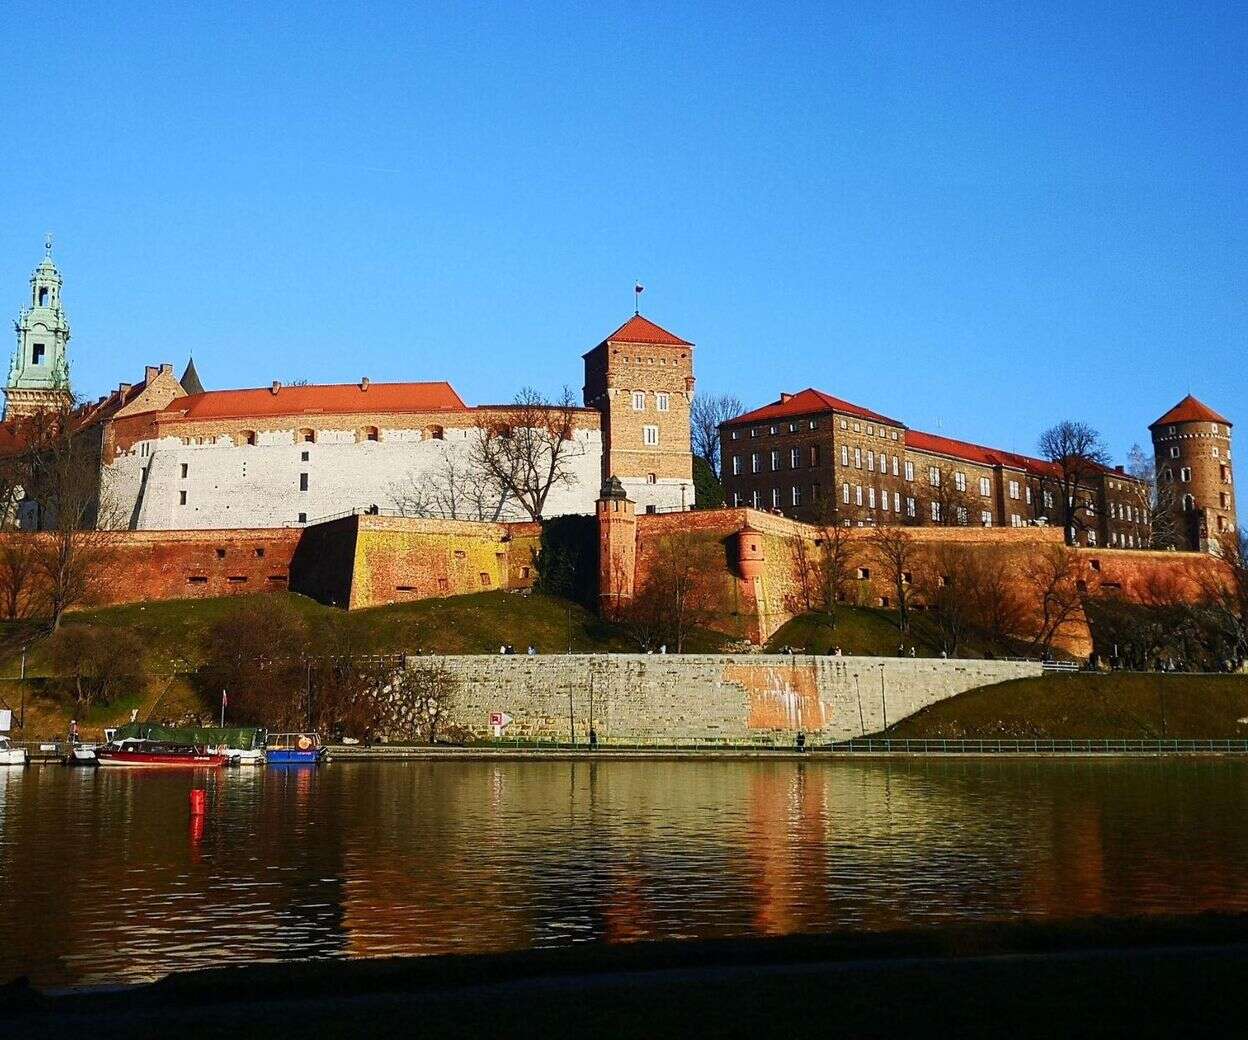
(223, 709)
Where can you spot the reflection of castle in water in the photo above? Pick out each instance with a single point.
(436, 857)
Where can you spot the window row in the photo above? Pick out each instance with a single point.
(775, 458)
(661, 401)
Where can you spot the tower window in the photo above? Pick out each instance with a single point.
(37, 352)
(181, 498)
(43, 296)
(185, 470)
(650, 435)
(303, 482)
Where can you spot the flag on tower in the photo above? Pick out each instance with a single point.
(639, 288)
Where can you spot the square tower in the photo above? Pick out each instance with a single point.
(641, 379)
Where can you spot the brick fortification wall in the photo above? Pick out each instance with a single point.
(751, 562)
(148, 565)
(696, 699)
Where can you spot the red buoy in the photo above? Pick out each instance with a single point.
(197, 801)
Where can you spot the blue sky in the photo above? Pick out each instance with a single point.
(977, 218)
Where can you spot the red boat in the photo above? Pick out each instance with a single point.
(158, 754)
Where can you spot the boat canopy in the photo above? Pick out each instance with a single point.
(237, 738)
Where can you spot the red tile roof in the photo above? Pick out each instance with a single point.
(1191, 410)
(977, 453)
(332, 399)
(642, 330)
(808, 402)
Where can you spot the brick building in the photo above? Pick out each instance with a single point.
(1192, 449)
(815, 457)
(174, 456)
(640, 378)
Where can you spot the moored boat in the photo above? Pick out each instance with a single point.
(294, 749)
(158, 754)
(82, 755)
(10, 755)
(241, 745)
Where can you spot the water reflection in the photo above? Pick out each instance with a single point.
(105, 876)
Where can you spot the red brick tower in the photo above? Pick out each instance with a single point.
(1192, 448)
(641, 379)
(617, 548)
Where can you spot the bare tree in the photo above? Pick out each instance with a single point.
(677, 596)
(1057, 581)
(423, 697)
(945, 583)
(76, 514)
(822, 568)
(1155, 500)
(18, 597)
(1000, 611)
(529, 448)
(1227, 594)
(1078, 455)
(950, 495)
(454, 488)
(705, 417)
(894, 550)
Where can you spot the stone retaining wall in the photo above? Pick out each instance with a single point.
(703, 698)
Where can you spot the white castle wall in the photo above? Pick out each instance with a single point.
(227, 485)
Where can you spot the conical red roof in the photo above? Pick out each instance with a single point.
(1191, 410)
(642, 330)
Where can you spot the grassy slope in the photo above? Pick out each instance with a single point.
(871, 631)
(1117, 705)
(172, 633)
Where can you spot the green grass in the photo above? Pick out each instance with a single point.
(172, 632)
(873, 632)
(1124, 705)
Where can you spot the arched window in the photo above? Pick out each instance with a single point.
(43, 296)
(1189, 504)
(305, 436)
(434, 433)
(368, 433)
(246, 437)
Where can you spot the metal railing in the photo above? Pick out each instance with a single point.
(971, 746)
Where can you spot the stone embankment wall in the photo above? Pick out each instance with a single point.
(702, 698)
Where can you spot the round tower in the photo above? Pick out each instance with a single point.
(1192, 449)
(617, 547)
(751, 557)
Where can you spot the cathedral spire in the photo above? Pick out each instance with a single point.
(39, 373)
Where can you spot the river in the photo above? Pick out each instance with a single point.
(104, 877)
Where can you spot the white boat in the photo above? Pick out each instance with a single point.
(10, 755)
(244, 757)
(82, 755)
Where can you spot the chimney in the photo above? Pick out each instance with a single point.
(275, 387)
(123, 389)
(364, 383)
(149, 373)
(1120, 469)
(785, 397)
(166, 368)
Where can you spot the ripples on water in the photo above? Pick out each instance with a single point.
(104, 878)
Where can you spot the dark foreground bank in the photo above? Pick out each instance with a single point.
(1136, 977)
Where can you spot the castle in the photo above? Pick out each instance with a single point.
(174, 456)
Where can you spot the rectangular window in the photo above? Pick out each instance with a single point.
(1091, 537)
(1185, 474)
(870, 430)
(185, 470)
(858, 458)
(754, 498)
(303, 518)
(884, 501)
(985, 518)
(909, 470)
(985, 487)
(814, 454)
(844, 424)
(845, 493)
(795, 457)
(1048, 500)
(896, 501)
(639, 400)
(814, 424)
(736, 499)
(181, 498)
(661, 402)
(1174, 452)
(871, 461)
(736, 465)
(775, 461)
(959, 480)
(650, 435)
(797, 495)
(936, 512)
(1027, 494)
(303, 482)
(895, 469)
(1014, 489)
(870, 498)
(754, 462)
(883, 462)
(933, 476)
(775, 498)
(844, 454)
(910, 510)
(857, 494)
(304, 456)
